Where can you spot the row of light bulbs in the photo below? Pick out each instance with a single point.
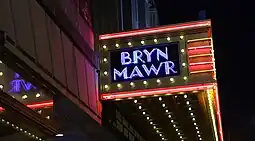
(21, 130)
(174, 123)
(40, 112)
(1, 74)
(142, 42)
(132, 84)
(25, 96)
(193, 117)
(151, 121)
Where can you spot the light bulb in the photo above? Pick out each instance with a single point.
(135, 101)
(183, 64)
(1, 86)
(1, 73)
(38, 95)
(171, 79)
(158, 81)
(117, 45)
(104, 47)
(106, 86)
(105, 59)
(145, 82)
(132, 84)
(155, 40)
(181, 37)
(142, 42)
(160, 98)
(182, 50)
(24, 97)
(129, 43)
(185, 77)
(118, 85)
(168, 38)
(185, 96)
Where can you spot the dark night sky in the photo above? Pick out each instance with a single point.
(233, 42)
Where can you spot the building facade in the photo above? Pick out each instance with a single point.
(48, 65)
(121, 15)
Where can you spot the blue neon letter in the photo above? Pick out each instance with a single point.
(120, 74)
(148, 54)
(152, 68)
(137, 55)
(169, 67)
(161, 53)
(136, 72)
(125, 58)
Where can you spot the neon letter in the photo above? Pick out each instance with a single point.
(152, 68)
(125, 56)
(137, 55)
(136, 72)
(148, 54)
(161, 53)
(120, 74)
(169, 66)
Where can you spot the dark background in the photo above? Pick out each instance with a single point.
(233, 34)
(173, 55)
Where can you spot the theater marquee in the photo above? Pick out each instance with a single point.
(148, 61)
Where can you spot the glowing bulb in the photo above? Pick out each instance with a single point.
(166, 111)
(106, 86)
(160, 98)
(193, 119)
(172, 121)
(129, 43)
(139, 107)
(135, 101)
(105, 59)
(105, 73)
(190, 108)
(144, 113)
(1, 86)
(181, 37)
(163, 138)
(163, 105)
(40, 111)
(183, 64)
(176, 129)
(1, 73)
(187, 102)
(145, 82)
(185, 96)
(119, 85)
(179, 133)
(157, 131)
(158, 81)
(181, 137)
(154, 127)
(169, 116)
(160, 135)
(191, 114)
(195, 123)
(59, 135)
(117, 45)
(182, 50)
(185, 77)
(48, 117)
(132, 84)
(200, 138)
(104, 46)
(155, 40)
(197, 128)
(24, 97)
(168, 38)
(151, 122)
(172, 79)
(198, 132)
(199, 135)
(37, 95)
(147, 118)
(142, 42)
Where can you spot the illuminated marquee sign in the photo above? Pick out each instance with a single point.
(19, 84)
(145, 62)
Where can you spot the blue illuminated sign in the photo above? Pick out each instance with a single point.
(18, 83)
(145, 62)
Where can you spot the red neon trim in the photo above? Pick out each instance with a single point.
(218, 114)
(183, 26)
(198, 47)
(200, 59)
(200, 63)
(37, 105)
(157, 91)
(200, 67)
(199, 51)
